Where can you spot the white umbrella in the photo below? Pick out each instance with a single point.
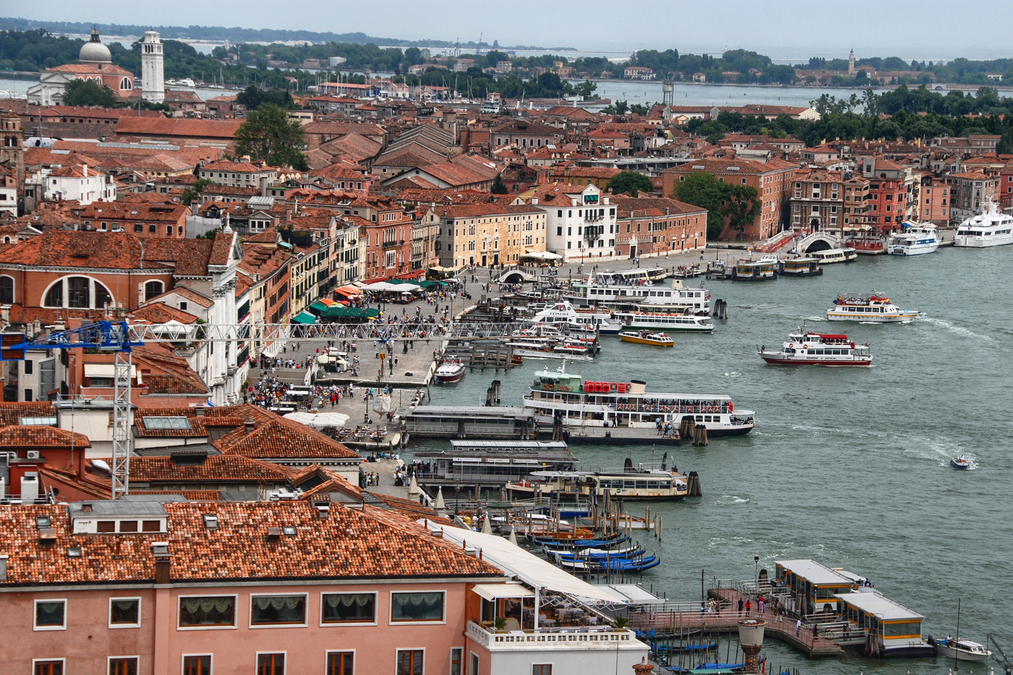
(486, 525)
(440, 504)
(413, 489)
(513, 536)
(318, 420)
(542, 255)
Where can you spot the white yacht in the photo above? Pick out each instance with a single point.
(915, 239)
(580, 403)
(990, 228)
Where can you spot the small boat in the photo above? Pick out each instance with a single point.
(644, 337)
(869, 309)
(915, 239)
(835, 255)
(960, 462)
(817, 349)
(451, 370)
(962, 650)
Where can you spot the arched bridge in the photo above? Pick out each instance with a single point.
(817, 241)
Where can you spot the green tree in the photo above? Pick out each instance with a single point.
(498, 186)
(742, 206)
(631, 182)
(254, 98)
(269, 134)
(192, 194)
(704, 190)
(413, 56)
(89, 92)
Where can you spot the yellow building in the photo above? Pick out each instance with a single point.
(488, 234)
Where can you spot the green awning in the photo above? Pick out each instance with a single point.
(305, 318)
(317, 308)
(338, 312)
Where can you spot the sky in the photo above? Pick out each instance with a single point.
(783, 29)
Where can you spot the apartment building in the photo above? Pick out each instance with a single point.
(489, 234)
(651, 227)
(580, 222)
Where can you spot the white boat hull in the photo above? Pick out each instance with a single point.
(902, 317)
(945, 650)
(912, 250)
(533, 354)
(965, 241)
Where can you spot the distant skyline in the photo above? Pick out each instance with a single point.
(786, 31)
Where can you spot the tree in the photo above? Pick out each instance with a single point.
(192, 194)
(254, 98)
(413, 56)
(89, 92)
(498, 186)
(269, 134)
(742, 206)
(704, 190)
(631, 182)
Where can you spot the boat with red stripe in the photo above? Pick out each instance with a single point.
(806, 348)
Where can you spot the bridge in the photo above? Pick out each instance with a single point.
(817, 241)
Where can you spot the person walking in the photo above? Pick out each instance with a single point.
(759, 604)
(741, 603)
(749, 605)
(798, 628)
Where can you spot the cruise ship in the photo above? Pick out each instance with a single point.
(991, 228)
(915, 239)
(628, 404)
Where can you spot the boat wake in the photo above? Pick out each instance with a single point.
(733, 374)
(960, 330)
(815, 319)
(941, 453)
(732, 499)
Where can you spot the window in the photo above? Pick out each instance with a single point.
(409, 661)
(54, 298)
(50, 614)
(153, 229)
(340, 663)
(209, 611)
(271, 664)
(474, 668)
(541, 669)
(124, 612)
(456, 654)
(104, 525)
(50, 667)
(348, 608)
(138, 228)
(123, 665)
(153, 289)
(416, 607)
(266, 610)
(6, 291)
(197, 665)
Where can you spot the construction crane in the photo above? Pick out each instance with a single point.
(105, 336)
(1001, 659)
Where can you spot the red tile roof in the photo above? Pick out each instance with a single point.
(37, 436)
(215, 468)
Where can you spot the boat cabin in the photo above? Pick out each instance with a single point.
(834, 255)
(813, 586)
(801, 266)
(897, 630)
(632, 484)
(755, 270)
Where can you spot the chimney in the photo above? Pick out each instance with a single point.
(163, 560)
(248, 424)
(85, 170)
(199, 411)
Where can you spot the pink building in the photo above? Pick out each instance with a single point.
(137, 587)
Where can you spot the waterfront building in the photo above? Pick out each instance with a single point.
(489, 234)
(580, 223)
(970, 193)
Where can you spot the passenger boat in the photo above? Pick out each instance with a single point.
(961, 650)
(451, 370)
(801, 267)
(685, 323)
(990, 228)
(755, 270)
(564, 314)
(638, 484)
(602, 291)
(817, 349)
(577, 403)
(960, 462)
(550, 349)
(869, 309)
(644, 337)
(835, 255)
(915, 239)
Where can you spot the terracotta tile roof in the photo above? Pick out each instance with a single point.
(189, 294)
(141, 429)
(653, 207)
(191, 256)
(41, 437)
(135, 210)
(345, 545)
(191, 495)
(63, 248)
(480, 210)
(215, 468)
(11, 412)
(279, 438)
(187, 128)
(159, 312)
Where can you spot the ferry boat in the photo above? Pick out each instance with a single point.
(990, 228)
(599, 292)
(817, 349)
(685, 323)
(451, 370)
(644, 337)
(755, 270)
(576, 403)
(915, 239)
(564, 313)
(801, 267)
(869, 309)
(639, 484)
(835, 255)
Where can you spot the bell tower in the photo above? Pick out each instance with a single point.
(152, 72)
(851, 62)
(12, 147)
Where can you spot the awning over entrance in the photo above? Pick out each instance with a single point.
(305, 318)
(494, 591)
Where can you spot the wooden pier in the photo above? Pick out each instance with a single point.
(725, 619)
(489, 355)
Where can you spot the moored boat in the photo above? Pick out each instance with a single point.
(989, 228)
(817, 349)
(451, 370)
(801, 267)
(961, 650)
(915, 239)
(685, 323)
(869, 309)
(644, 337)
(835, 255)
(755, 270)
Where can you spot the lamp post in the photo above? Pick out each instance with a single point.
(365, 397)
(756, 573)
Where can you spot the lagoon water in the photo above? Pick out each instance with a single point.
(847, 466)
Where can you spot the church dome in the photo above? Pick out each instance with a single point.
(94, 51)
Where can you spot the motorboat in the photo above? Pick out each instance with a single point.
(989, 228)
(451, 370)
(914, 239)
(682, 323)
(960, 462)
(817, 349)
(869, 309)
(961, 650)
(644, 337)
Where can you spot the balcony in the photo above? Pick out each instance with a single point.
(554, 639)
(392, 244)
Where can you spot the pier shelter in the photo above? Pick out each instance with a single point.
(892, 628)
(813, 587)
(493, 463)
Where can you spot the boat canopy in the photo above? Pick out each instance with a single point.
(832, 336)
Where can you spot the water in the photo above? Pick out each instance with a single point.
(847, 466)
(647, 93)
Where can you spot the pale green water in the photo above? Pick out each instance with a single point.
(847, 466)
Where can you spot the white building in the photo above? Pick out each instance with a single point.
(79, 183)
(580, 221)
(95, 63)
(152, 72)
